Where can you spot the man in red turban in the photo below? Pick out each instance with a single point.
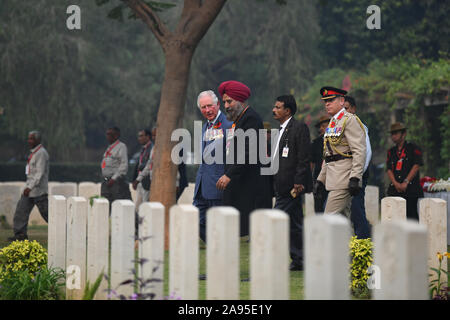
(241, 180)
(237, 91)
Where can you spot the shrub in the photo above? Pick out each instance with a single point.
(45, 284)
(361, 253)
(22, 255)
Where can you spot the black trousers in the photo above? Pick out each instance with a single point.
(23, 210)
(293, 207)
(411, 201)
(120, 190)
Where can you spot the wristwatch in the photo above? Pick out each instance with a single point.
(406, 180)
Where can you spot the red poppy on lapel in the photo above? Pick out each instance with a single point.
(217, 125)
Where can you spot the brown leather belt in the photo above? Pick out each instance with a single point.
(336, 157)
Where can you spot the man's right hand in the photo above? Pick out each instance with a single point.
(26, 192)
(318, 188)
(134, 184)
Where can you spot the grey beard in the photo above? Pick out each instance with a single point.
(233, 114)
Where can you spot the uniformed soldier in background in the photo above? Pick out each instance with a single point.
(344, 151)
(402, 166)
(115, 168)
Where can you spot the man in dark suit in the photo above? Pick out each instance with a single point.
(206, 195)
(242, 169)
(294, 173)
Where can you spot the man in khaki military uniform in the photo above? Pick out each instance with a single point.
(344, 154)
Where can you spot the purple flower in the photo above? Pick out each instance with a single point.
(134, 296)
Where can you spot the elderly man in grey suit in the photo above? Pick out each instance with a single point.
(36, 188)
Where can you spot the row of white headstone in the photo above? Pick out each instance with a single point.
(79, 237)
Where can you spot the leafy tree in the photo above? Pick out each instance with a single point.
(407, 27)
(72, 85)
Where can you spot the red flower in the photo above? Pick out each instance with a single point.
(332, 124)
(217, 125)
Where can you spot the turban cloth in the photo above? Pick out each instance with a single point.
(236, 90)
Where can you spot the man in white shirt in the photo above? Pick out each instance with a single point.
(36, 188)
(358, 209)
(114, 168)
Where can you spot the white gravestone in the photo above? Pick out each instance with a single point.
(57, 213)
(122, 245)
(400, 253)
(66, 189)
(222, 254)
(151, 247)
(327, 257)
(372, 204)
(88, 189)
(76, 247)
(269, 255)
(184, 251)
(433, 214)
(393, 208)
(444, 196)
(98, 245)
(10, 194)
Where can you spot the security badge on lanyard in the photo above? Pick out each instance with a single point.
(285, 150)
(401, 156)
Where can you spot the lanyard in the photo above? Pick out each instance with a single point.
(239, 118)
(108, 152)
(143, 151)
(32, 154)
(401, 154)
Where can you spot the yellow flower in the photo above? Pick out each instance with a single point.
(446, 254)
(440, 256)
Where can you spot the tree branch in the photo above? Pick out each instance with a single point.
(197, 17)
(150, 18)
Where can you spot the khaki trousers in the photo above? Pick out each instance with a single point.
(142, 195)
(339, 201)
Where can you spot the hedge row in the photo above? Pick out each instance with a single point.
(71, 172)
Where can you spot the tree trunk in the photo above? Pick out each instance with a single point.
(173, 96)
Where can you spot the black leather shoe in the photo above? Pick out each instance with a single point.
(19, 237)
(202, 277)
(295, 267)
